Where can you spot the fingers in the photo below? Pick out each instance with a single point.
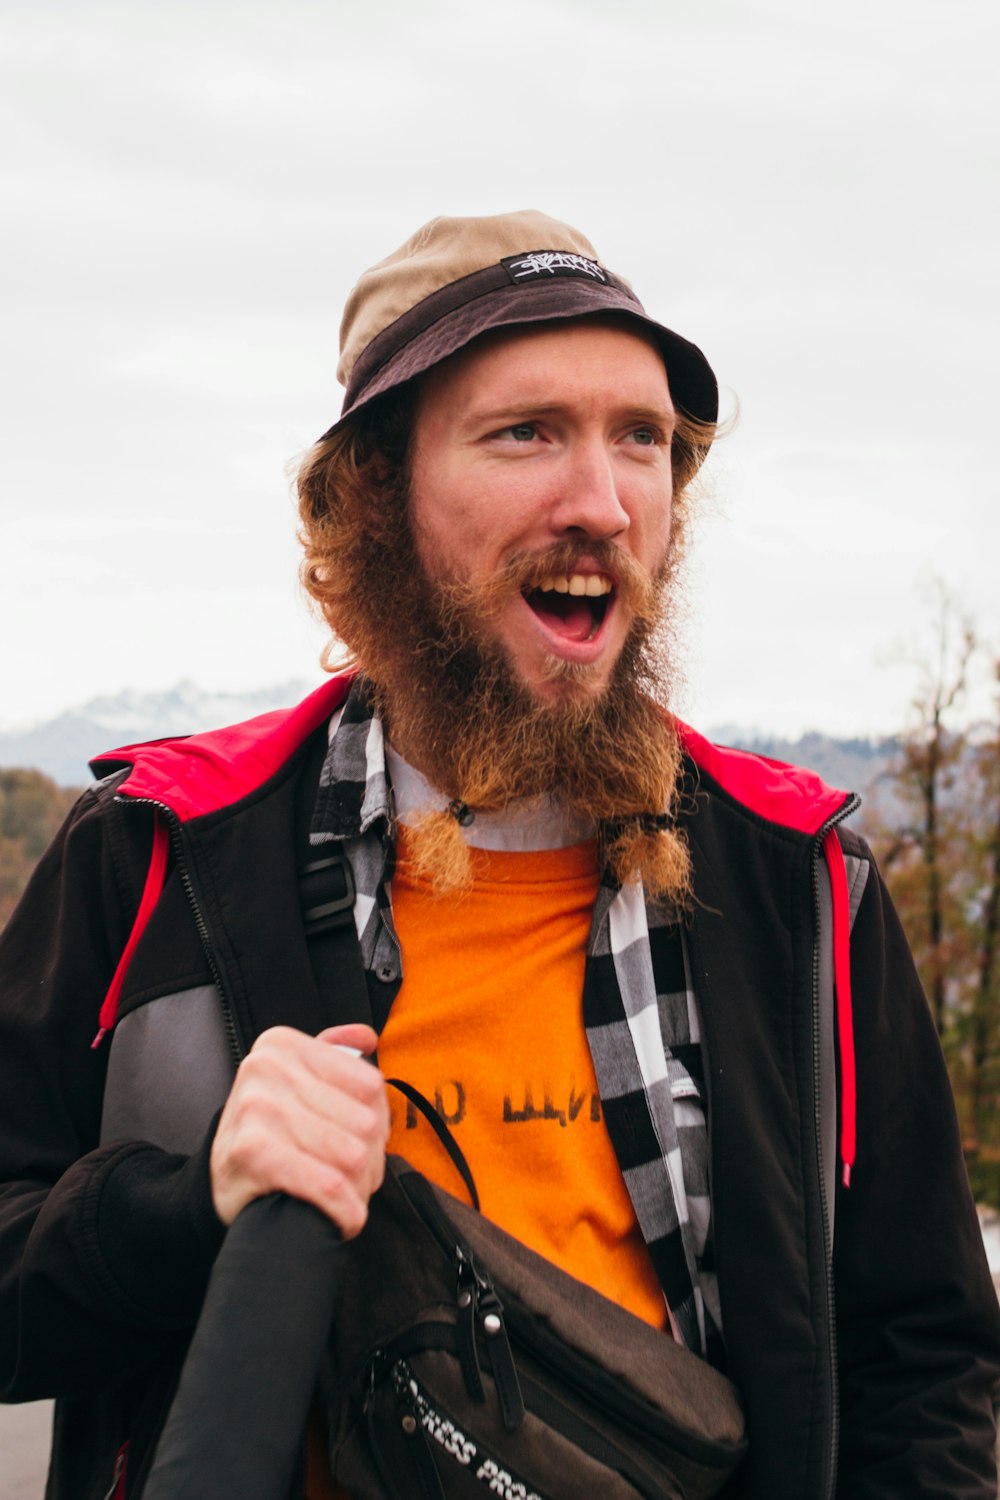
(355, 1035)
(304, 1117)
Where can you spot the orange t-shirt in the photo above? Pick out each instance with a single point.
(488, 1025)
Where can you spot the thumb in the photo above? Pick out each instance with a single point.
(355, 1035)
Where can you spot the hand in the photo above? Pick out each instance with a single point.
(304, 1117)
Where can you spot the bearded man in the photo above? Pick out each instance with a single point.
(655, 988)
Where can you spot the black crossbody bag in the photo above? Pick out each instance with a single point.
(463, 1365)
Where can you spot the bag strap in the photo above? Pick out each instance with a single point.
(444, 1135)
(326, 898)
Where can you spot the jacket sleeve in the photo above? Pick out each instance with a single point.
(917, 1315)
(105, 1251)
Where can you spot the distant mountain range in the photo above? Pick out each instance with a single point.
(62, 746)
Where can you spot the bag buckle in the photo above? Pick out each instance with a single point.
(326, 893)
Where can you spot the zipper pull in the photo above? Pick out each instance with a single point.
(411, 1406)
(368, 1394)
(465, 1327)
(118, 1475)
(502, 1360)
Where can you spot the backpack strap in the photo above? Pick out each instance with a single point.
(326, 898)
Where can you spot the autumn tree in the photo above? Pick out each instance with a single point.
(983, 1042)
(32, 807)
(936, 832)
(920, 827)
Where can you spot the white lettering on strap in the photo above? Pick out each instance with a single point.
(504, 1484)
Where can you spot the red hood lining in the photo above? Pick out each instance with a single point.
(788, 795)
(202, 773)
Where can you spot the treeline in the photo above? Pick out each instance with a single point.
(935, 829)
(32, 808)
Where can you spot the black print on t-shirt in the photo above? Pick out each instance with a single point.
(550, 1110)
(450, 1103)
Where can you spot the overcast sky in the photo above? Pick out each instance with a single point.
(190, 190)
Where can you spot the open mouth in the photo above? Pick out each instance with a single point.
(573, 606)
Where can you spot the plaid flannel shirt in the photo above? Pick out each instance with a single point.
(639, 1011)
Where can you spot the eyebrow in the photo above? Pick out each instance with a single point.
(524, 411)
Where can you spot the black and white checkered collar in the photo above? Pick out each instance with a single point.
(354, 794)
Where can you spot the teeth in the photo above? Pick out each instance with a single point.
(590, 585)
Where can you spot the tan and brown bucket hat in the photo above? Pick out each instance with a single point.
(457, 278)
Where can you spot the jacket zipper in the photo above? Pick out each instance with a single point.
(853, 802)
(117, 1489)
(174, 825)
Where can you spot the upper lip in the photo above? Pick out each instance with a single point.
(585, 567)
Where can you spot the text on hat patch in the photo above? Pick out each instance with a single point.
(551, 263)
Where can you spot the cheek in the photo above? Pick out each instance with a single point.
(438, 524)
(427, 543)
(469, 519)
(446, 543)
(653, 527)
(460, 534)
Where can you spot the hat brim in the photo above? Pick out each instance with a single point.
(433, 331)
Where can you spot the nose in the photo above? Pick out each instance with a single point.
(587, 501)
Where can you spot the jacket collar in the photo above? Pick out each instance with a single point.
(203, 773)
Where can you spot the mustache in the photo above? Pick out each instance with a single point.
(635, 587)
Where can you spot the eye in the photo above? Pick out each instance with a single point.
(646, 437)
(522, 432)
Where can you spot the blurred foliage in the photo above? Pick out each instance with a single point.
(939, 849)
(32, 807)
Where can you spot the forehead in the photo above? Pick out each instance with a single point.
(574, 359)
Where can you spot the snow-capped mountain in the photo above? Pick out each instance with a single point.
(62, 747)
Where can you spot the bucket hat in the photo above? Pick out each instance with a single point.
(458, 278)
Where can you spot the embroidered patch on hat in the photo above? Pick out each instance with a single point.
(546, 263)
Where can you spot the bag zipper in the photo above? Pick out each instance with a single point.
(480, 1318)
(414, 1404)
(633, 1411)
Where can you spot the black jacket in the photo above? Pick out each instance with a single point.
(877, 1364)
